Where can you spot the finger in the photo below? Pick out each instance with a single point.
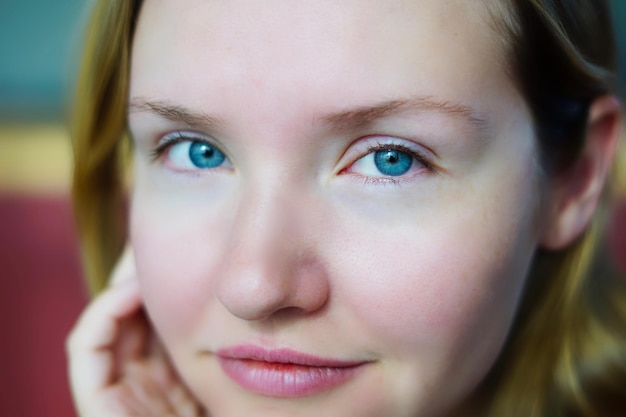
(133, 341)
(134, 330)
(178, 397)
(147, 391)
(90, 343)
(182, 402)
(124, 269)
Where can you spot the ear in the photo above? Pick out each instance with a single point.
(575, 194)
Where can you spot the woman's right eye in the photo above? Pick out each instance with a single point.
(195, 154)
(188, 154)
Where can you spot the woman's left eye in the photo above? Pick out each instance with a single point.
(388, 161)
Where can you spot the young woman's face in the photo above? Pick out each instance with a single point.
(334, 202)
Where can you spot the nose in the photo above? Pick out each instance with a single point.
(271, 263)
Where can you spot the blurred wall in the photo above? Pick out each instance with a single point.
(39, 43)
(41, 292)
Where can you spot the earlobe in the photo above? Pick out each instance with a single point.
(575, 194)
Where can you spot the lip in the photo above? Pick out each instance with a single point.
(284, 373)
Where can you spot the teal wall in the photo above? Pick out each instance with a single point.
(39, 43)
(38, 47)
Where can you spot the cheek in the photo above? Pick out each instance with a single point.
(175, 257)
(435, 286)
(431, 299)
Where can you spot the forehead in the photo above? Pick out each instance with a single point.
(352, 49)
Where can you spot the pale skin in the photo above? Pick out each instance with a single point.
(297, 239)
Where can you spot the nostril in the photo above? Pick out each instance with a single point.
(271, 263)
(291, 313)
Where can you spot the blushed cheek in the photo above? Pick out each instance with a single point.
(173, 266)
(436, 296)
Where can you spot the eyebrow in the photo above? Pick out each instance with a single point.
(174, 113)
(361, 117)
(351, 119)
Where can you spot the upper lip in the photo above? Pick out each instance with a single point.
(283, 355)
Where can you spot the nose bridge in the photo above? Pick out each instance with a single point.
(270, 263)
(263, 220)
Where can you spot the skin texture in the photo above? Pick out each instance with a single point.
(296, 241)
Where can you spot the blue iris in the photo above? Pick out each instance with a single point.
(204, 155)
(393, 162)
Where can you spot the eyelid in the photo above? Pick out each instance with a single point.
(364, 147)
(179, 136)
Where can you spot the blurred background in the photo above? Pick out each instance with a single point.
(41, 292)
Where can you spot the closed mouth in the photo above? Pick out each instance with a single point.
(284, 372)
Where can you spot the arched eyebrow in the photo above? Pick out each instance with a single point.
(344, 120)
(362, 117)
(175, 113)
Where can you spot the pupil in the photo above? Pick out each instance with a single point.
(392, 157)
(207, 152)
(392, 162)
(203, 155)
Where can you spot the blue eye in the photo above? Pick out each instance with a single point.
(393, 162)
(189, 154)
(204, 155)
(383, 161)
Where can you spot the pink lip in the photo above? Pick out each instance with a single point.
(284, 372)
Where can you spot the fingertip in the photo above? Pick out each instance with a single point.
(90, 344)
(124, 270)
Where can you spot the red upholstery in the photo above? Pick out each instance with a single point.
(41, 295)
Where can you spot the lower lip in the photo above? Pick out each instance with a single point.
(285, 380)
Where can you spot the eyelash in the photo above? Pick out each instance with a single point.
(178, 137)
(385, 180)
(175, 138)
(418, 156)
(165, 143)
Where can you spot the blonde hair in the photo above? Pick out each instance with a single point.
(98, 126)
(566, 353)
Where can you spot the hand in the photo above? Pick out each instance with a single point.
(118, 368)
